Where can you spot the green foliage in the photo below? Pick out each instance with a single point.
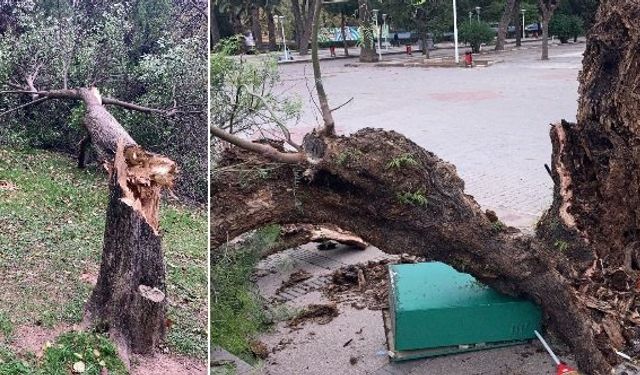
(49, 247)
(237, 311)
(498, 226)
(565, 27)
(242, 93)
(404, 160)
(476, 34)
(95, 351)
(561, 245)
(136, 51)
(413, 198)
(344, 157)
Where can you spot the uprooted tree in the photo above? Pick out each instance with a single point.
(581, 265)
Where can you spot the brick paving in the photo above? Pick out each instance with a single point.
(492, 123)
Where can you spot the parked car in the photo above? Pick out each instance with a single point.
(533, 29)
(511, 30)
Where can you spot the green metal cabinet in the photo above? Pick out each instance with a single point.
(436, 310)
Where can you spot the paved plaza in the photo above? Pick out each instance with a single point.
(492, 123)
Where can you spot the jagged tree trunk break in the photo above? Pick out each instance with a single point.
(367, 43)
(547, 7)
(128, 300)
(582, 265)
(129, 297)
(504, 24)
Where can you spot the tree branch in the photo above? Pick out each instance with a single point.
(74, 94)
(327, 117)
(263, 149)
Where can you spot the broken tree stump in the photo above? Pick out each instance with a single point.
(129, 298)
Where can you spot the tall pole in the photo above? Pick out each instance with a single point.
(478, 13)
(455, 32)
(284, 39)
(375, 16)
(523, 10)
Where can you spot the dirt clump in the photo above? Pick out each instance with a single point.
(320, 314)
(294, 279)
(364, 284)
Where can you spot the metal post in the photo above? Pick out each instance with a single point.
(470, 15)
(375, 16)
(455, 31)
(523, 10)
(284, 39)
(478, 13)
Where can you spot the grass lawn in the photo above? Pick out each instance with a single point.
(51, 231)
(238, 313)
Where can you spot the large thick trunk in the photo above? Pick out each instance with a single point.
(271, 29)
(129, 297)
(367, 43)
(214, 27)
(304, 23)
(504, 24)
(517, 19)
(256, 28)
(420, 208)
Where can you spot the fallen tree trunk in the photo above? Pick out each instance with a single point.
(419, 209)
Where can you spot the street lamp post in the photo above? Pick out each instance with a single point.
(455, 32)
(375, 17)
(284, 38)
(478, 13)
(470, 16)
(522, 11)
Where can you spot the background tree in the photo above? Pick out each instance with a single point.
(476, 33)
(367, 32)
(547, 7)
(303, 12)
(507, 15)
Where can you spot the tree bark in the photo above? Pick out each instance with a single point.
(214, 28)
(449, 227)
(547, 7)
(256, 28)
(504, 24)
(343, 26)
(129, 297)
(367, 46)
(518, 22)
(304, 23)
(271, 29)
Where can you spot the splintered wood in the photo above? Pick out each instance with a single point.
(142, 175)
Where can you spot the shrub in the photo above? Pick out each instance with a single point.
(476, 33)
(565, 27)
